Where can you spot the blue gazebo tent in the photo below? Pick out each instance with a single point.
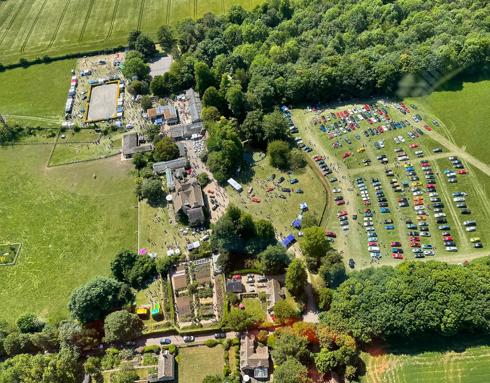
(296, 224)
(288, 241)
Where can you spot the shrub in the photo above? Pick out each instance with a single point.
(151, 349)
(211, 343)
(172, 348)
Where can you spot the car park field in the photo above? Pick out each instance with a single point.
(34, 28)
(396, 181)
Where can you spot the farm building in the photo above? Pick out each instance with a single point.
(188, 199)
(132, 144)
(166, 114)
(195, 106)
(161, 167)
(165, 370)
(184, 131)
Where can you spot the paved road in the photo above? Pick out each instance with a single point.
(178, 340)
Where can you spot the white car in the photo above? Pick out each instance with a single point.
(469, 229)
(337, 190)
(459, 199)
(451, 248)
(434, 194)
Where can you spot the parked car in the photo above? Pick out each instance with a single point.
(220, 335)
(165, 341)
(189, 338)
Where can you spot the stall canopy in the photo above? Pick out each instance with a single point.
(288, 241)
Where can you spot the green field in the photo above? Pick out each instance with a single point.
(465, 113)
(469, 366)
(33, 28)
(195, 363)
(36, 94)
(281, 212)
(71, 220)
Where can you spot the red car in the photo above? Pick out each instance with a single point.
(448, 238)
(330, 234)
(413, 146)
(415, 244)
(396, 244)
(341, 202)
(397, 255)
(372, 243)
(237, 277)
(462, 171)
(341, 213)
(427, 127)
(346, 155)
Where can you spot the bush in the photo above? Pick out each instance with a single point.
(151, 349)
(172, 348)
(211, 343)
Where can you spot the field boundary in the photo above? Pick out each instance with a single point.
(81, 161)
(29, 33)
(16, 254)
(58, 26)
(328, 195)
(87, 18)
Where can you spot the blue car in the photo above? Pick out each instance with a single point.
(390, 227)
(165, 341)
(385, 210)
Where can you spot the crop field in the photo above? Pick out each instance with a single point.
(357, 148)
(71, 220)
(33, 28)
(280, 211)
(469, 366)
(36, 94)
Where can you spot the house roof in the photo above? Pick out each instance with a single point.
(161, 167)
(234, 286)
(274, 291)
(195, 106)
(252, 356)
(130, 145)
(185, 130)
(188, 195)
(166, 363)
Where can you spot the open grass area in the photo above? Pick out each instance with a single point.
(33, 28)
(464, 112)
(469, 366)
(71, 221)
(195, 363)
(281, 212)
(37, 94)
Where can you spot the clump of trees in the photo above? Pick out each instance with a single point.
(135, 270)
(239, 238)
(414, 298)
(97, 298)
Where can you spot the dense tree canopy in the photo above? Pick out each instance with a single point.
(296, 278)
(122, 326)
(236, 234)
(273, 260)
(166, 149)
(310, 51)
(97, 298)
(412, 299)
(133, 269)
(314, 246)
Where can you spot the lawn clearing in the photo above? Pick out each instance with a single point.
(281, 212)
(195, 363)
(465, 114)
(37, 27)
(71, 221)
(37, 94)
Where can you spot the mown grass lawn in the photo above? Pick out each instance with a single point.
(71, 221)
(281, 212)
(39, 91)
(195, 363)
(465, 113)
